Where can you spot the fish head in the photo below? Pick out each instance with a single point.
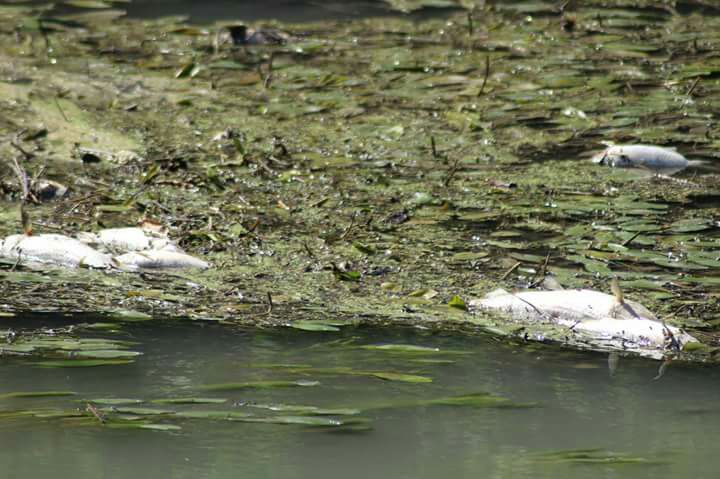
(613, 157)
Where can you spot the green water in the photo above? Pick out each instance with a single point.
(631, 425)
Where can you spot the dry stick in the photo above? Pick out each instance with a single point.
(433, 147)
(270, 304)
(57, 104)
(541, 274)
(692, 87)
(254, 226)
(487, 74)
(95, 412)
(630, 239)
(350, 226)
(308, 250)
(452, 172)
(512, 268)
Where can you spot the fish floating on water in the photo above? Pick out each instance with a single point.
(656, 159)
(158, 259)
(604, 321)
(123, 240)
(58, 250)
(126, 249)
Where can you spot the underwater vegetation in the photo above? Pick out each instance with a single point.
(384, 170)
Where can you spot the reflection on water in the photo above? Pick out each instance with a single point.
(630, 425)
(293, 11)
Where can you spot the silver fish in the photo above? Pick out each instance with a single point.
(123, 240)
(158, 259)
(52, 249)
(597, 317)
(569, 304)
(653, 158)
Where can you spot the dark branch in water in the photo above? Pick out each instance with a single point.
(692, 87)
(57, 104)
(487, 74)
(541, 273)
(452, 172)
(631, 239)
(270, 304)
(350, 226)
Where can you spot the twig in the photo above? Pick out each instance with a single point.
(96, 412)
(350, 227)
(452, 172)
(254, 226)
(541, 273)
(433, 147)
(509, 271)
(57, 104)
(692, 87)
(630, 239)
(270, 304)
(487, 74)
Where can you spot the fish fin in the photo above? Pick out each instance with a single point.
(617, 291)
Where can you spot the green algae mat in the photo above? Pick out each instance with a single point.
(378, 170)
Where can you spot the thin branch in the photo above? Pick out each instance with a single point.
(487, 74)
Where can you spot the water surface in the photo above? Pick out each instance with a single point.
(631, 425)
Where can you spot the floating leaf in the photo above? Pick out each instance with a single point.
(478, 400)
(87, 3)
(113, 401)
(189, 400)
(258, 385)
(37, 394)
(313, 325)
(400, 348)
(81, 363)
(456, 302)
(107, 354)
(406, 378)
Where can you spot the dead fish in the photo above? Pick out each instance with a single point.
(606, 320)
(55, 249)
(657, 159)
(93, 155)
(642, 332)
(570, 304)
(158, 259)
(123, 240)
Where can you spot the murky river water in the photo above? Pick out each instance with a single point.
(209, 401)
(583, 423)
